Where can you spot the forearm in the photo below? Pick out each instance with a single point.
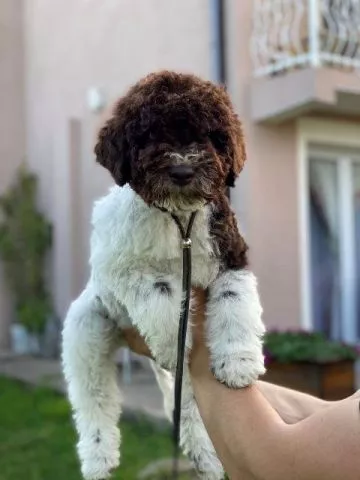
(244, 443)
(254, 443)
(291, 405)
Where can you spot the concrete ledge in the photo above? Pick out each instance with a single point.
(275, 99)
(141, 397)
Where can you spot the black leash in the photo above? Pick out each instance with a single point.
(184, 316)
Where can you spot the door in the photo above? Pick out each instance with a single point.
(334, 226)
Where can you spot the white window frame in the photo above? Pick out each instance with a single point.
(330, 133)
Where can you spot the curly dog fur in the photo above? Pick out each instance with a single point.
(168, 111)
(173, 144)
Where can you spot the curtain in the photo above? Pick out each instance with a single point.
(356, 190)
(324, 232)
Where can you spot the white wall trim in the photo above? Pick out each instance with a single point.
(347, 250)
(331, 133)
(304, 244)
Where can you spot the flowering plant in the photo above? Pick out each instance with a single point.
(303, 346)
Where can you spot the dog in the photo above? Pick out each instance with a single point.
(173, 145)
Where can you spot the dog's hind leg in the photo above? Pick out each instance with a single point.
(89, 341)
(165, 381)
(194, 439)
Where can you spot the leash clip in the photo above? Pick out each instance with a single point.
(186, 243)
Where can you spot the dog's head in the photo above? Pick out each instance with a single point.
(175, 139)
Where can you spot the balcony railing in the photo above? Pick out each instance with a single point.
(290, 34)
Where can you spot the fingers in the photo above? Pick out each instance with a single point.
(198, 317)
(135, 342)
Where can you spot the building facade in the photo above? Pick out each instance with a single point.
(291, 69)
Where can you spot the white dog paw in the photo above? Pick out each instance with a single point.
(100, 455)
(201, 453)
(238, 370)
(100, 467)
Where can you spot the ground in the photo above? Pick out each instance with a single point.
(37, 438)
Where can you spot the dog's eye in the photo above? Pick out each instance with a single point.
(219, 140)
(163, 287)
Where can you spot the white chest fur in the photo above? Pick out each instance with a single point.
(134, 243)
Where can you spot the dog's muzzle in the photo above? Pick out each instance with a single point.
(181, 175)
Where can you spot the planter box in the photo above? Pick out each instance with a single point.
(22, 342)
(45, 345)
(330, 381)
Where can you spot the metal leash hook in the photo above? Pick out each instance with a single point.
(186, 243)
(184, 316)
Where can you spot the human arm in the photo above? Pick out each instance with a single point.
(291, 405)
(248, 426)
(252, 440)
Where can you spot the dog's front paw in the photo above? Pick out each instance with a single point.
(99, 456)
(238, 370)
(99, 467)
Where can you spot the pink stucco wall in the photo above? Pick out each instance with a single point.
(72, 45)
(12, 133)
(266, 199)
(274, 223)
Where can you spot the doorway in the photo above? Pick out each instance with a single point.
(334, 231)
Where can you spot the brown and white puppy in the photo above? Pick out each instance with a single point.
(173, 145)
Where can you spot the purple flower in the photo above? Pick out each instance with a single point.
(268, 358)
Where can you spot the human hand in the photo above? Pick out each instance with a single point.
(135, 342)
(199, 358)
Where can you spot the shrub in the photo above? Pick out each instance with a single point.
(302, 346)
(25, 239)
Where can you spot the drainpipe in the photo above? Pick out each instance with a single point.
(218, 45)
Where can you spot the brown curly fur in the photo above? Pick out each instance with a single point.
(223, 228)
(171, 112)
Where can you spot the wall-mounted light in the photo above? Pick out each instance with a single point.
(95, 99)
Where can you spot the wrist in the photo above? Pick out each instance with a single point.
(199, 364)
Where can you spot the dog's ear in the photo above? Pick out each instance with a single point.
(237, 153)
(112, 151)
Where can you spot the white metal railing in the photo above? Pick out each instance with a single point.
(288, 34)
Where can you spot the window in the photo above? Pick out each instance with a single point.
(334, 226)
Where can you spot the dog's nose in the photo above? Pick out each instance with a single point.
(181, 174)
